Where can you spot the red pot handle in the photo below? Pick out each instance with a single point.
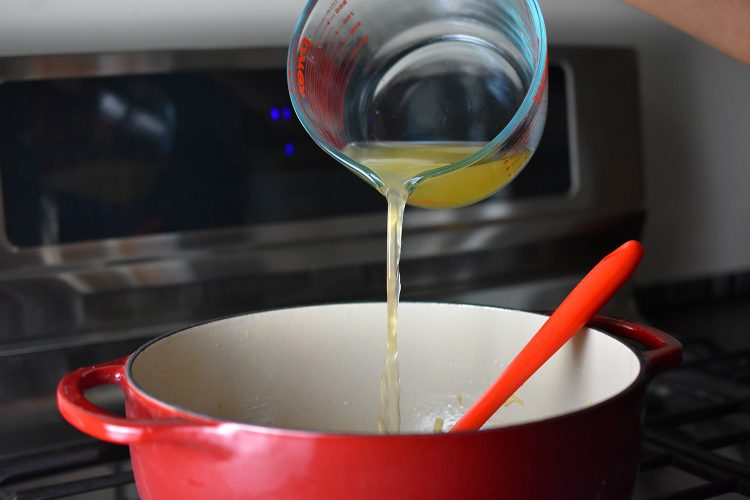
(665, 351)
(101, 424)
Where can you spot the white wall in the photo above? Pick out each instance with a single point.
(695, 109)
(70, 26)
(695, 101)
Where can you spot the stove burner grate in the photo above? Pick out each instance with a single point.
(697, 436)
(69, 472)
(696, 443)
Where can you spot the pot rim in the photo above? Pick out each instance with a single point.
(194, 416)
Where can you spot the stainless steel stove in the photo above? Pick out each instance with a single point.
(144, 192)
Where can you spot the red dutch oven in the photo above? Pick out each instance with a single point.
(283, 404)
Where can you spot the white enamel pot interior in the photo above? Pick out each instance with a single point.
(319, 367)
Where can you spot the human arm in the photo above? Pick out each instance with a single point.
(722, 24)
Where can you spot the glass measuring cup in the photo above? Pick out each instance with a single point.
(445, 97)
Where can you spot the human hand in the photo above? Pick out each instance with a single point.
(722, 24)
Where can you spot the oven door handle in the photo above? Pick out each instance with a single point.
(664, 351)
(89, 418)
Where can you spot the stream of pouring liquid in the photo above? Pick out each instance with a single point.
(389, 421)
(395, 164)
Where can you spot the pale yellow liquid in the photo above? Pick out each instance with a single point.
(395, 164)
(399, 162)
(389, 421)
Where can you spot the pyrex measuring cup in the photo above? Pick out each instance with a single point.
(446, 97)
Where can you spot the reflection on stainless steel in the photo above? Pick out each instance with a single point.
(66, 66)
(74, 298)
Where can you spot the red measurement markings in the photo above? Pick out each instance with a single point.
(304, 47)
(524, 10)
(311, 70)
(327, 69)
(526, 34)
(339, 81)
(321, 104)
(529, 139)
(541, 116)
(335, 7)
(514, 161)
(313, 57)
(305, 54)
(340, 7)
(328, 65)
(541, 91)
(289, 78)
(524, 15)
(334, 117)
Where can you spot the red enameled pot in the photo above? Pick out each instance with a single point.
(283, 404)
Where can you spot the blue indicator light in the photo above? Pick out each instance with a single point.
(286, 113)
(274, 113)
(288, 149)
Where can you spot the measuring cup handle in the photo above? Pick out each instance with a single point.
(89, 418)
(665, 351)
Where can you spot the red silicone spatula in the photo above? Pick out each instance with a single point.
(596, 288)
